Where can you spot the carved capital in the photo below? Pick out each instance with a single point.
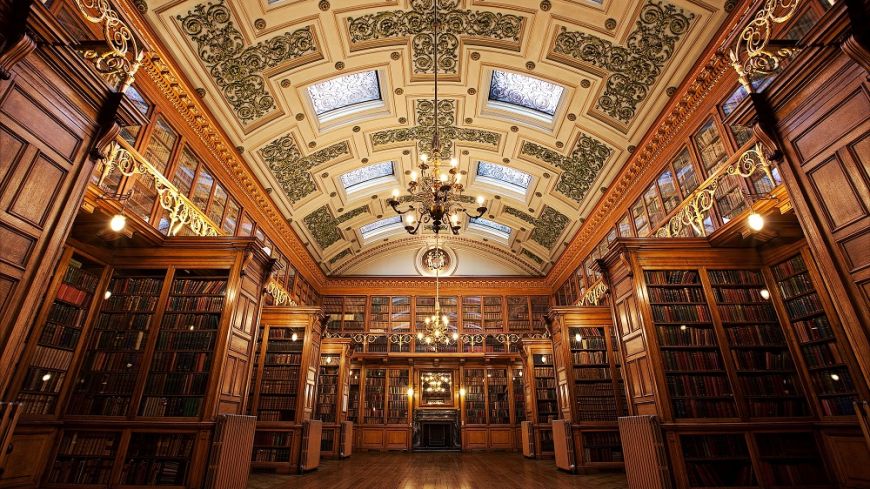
(856, 50)
(15, 43)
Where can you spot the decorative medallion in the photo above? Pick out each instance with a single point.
(291, 169)
(417, 24)
(579, 170)
(634, 67)
(236, 68)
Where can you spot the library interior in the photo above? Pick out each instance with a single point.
(348, 244)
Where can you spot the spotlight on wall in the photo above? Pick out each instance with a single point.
(462, 392)
(755, 221)
(410, 392)
(118, 223)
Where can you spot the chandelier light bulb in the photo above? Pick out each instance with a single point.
(462, 391)
(118, 222)
(420, 335)
(294, 337)
(442, 177)
(458, 177)
(437, 333)
(410, 392)
(424, 157)
(446, 319)
(413, 176)
(455, 336)
(409, 219)
(454, 219)
(765, 294)
(578, 338)
(46, 377)
(428, 340)
(755, 221)
(454, 162)
(395, 193)
(480, 200)
(427, 320)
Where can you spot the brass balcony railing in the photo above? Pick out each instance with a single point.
(756, 53)
(119, 55)
(280, 296)
(693, 210)
(181, 211)
(594, 294)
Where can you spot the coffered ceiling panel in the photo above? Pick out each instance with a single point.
(332, 103)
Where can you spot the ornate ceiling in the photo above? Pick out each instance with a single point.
(554, 94)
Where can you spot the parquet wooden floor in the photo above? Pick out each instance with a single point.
(374, 470)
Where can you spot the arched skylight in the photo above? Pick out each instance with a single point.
(525, 91)
(503, 176)
(373, 229)
(491, 227)
(367, 175)
(344, 91)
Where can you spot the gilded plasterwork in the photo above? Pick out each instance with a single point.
(580, 169)
(237, 68)
(422, 132)
(535, 258)
(324, 228)
(634, 67)
(291, 169)
(417, 24)
(548, 227)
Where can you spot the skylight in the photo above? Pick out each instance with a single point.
(503, 176)
(366, 175)
(373, 229)
(524, 91)
(344, 91)
(491, 227)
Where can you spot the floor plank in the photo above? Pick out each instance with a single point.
(374, 470)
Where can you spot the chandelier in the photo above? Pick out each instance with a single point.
(436, 383)
(436, 328)
(435, 194)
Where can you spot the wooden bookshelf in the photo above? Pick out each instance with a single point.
(519, 313)
(345, 313)
(59, 338)
(374, 403)
(84, 458)
(333, 383)
(353, 403)
(158, 459)
(327, 388)
(517, 382)
(498, 396)
(474, 382)
(541, 392)
(397, 407)
(284, 389)
(588, 368)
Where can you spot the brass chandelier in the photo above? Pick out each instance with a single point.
(436, 328)
(435, 194)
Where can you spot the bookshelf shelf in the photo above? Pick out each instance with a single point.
(85, 457)
(399, 380)
(474, 382)
(158, 459)
(327, 388)
(374, 404)
(545, 388)
(280, 373)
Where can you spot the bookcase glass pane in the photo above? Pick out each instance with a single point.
(85, 457)
(475, 395)
(59, 337)
(107, 377)
(327, 387)
(710, 146)
(717, 461)
(158, 459)
(373, 409)
(497, 396)
(280, 382)
(545, 387)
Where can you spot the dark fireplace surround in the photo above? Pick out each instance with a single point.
(436, 429)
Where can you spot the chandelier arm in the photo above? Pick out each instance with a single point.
(413, 229)
(395, 205)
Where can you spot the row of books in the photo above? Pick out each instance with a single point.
(544, 372)
(803, 306)
(290, 373)
(755, 335)
(762, 359)
(587, 343)
(545, 394)
(277, 403)
(681, 312)
(276, 438)
(704, 408)
(775, 408)
(190, 321)
(588, 357)
(822, 355)
(51, 358)
(286, 334)
(57, 336)
(737, 296)
(698, 385)
(813, 329)
(672, 277)
(42, 381)
(81, 471)
(602, 389)
(126, 303)
(137, 286)
(271, 454)
(100, 404)
(198, 304)
(187, 407)
(690, 335)
(545, 383)
(186, 340)
(672, 294)
(769, 385)
(740, 313)
(143, 445)
(88, 443)
(168, 361)
(123, 321)
(285, 387)
(155, 472)
(118, 340)
(198, 286)
(176, 384)
(67, 315)
(118, 362)
(691, 360)
(71, 295)
(736, 277)
(591, 373)
(795, 286)
(80, 278)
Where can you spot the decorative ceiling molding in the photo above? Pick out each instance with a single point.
(579, 170)
(632, 69)
(668, 125)
(455, 242)
(349, 285)
(421, 134)
(291, 169)
(548, 227)
(415, 27)
(324, 227)
(237, 69)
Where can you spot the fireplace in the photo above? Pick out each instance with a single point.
(436, 429)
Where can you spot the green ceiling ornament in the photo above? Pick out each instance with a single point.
(580, 169)
(325, 228)
(634, 67)
(236, 68)
(397, 26)
(291, 169)
(548, 227)
(345, 252)
(535, 258)
(448, 132)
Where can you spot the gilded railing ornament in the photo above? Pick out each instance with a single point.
(508, 339)
(280, 296)
(473, 339)
(120, 55)
(363, 338)
(694, 209)
(400, 339)
(181, 211)
(593, 295)
(754, 53)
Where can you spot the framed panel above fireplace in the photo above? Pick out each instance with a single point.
(436, 388)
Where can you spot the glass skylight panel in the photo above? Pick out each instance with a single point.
(366, 174)
(504, 176)
(344, 91)
(379, 226)
(490, 226)
(525, 91)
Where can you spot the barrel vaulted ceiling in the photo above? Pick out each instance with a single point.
(331, 104)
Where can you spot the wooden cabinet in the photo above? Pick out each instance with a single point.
(542, 392)
(589, 373)
(283, 393)
(332, 393)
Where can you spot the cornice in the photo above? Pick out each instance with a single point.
(666, 128)
(160, 68)
(507, 284)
